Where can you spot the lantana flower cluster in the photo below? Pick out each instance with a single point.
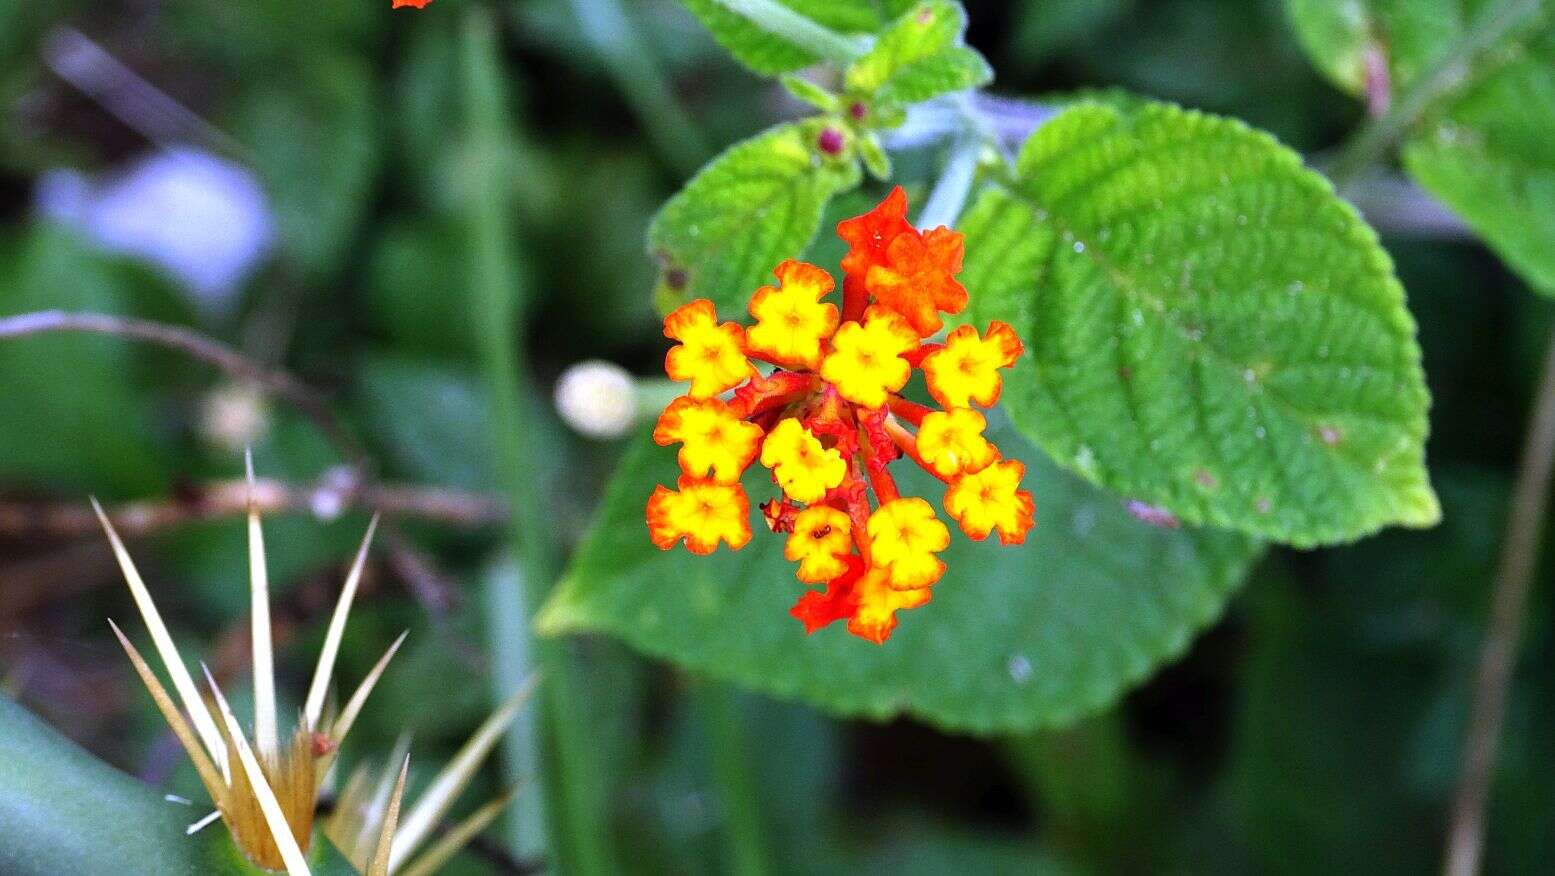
(826, 417)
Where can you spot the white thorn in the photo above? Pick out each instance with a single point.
(200, 825)
(435, 800)
(275, 819)
(203, 721)
(314, 705)
(265, 734)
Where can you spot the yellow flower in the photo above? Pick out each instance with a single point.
(866, 360)
(701, 512)
(791, 320)
(713, 441)
(990, 498)
(822, 536)
(905, 536)
(877, 604)
(967, 368)
(710, 355)
(803, 468)
(952, 441)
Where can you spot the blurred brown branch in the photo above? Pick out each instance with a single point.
(197, 346)
(335, 493)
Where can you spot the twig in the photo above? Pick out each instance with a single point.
(1498, 654)
(1445, 74)
(198, 346)
(326, 499)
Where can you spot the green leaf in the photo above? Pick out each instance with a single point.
(74, 416)
(770, 54)
(751, 207)
(919, 57)
(316, 148)
(1016, 637)
(804, 90)
(65, 811)
(1208, 327)
(1478, 82)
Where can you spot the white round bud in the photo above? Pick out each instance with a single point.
(234, 416)
(597, 398)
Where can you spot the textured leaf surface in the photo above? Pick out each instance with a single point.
(770, 54)
(1485, 140)
(1208, 327)
(751, 207)
(65, 811)
(920, 56)
(1015, 638)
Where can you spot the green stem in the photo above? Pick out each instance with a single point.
(631, 64)
(779, 20)
(949, 195)
(1446, 74)
(737, 792)
(1498, 654)
(577, 840)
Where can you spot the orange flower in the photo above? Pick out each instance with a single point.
(868, 236)
(830, 426)
(967, 368)
(866, 360)
(838, 601)
(952, 441)
(710, 355)
(413, 4)
(800, 464)
(714, 442)
(820, 543)
(702, 512)
(791, 320)
(877, 602)
(990, 498)
(918, 278)
(905, 536)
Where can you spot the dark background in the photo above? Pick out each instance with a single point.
(1315, 728)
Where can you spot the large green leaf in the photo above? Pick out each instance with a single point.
(770, 54)
(921, 56)
(751, 207)
(317, 149)
(1482, 138)
(65, 811)
(74, 414)
(1015, 638)
(1208, 327)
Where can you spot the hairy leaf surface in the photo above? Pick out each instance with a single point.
(1208, 327)
(1015, 637)
(751, 207)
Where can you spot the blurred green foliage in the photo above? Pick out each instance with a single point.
(1315, 727)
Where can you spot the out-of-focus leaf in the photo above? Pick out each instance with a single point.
(751, 207)
(65, 811)
(770, 54)
(1208, 327)
(433, 420)
(316, 146)
(919, 57)
(1016, 637)
(72, 412)
(1484, 140)
(409, 275)
(1043, 27)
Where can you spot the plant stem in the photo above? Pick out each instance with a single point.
(1498, 654)
(948, 198)
(630, 62)
(577, 840)
(737, 793)
(1447, 73)
(779, 20)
